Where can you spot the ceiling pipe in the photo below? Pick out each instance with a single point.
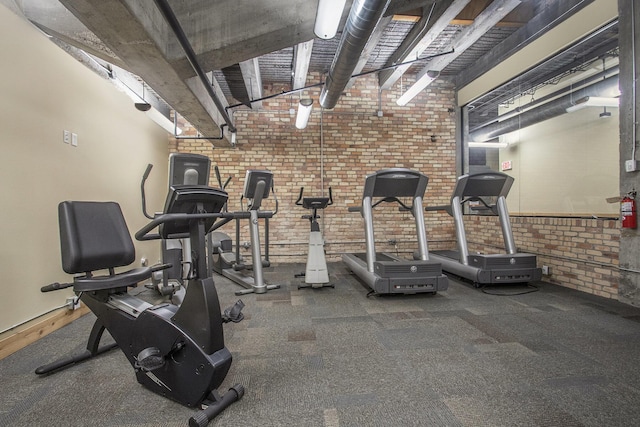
(607, 88)
(362, 20)
(170, 17)
(599, 76)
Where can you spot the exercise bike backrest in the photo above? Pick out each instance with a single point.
(93, 236)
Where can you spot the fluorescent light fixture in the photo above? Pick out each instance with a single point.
(476, 144)
(593, 101)
(328, 18)
(304, 111)
(422, 82)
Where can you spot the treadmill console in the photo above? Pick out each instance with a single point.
(483, 184)
(395, 182)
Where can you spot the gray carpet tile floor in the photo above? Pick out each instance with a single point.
(338, 358)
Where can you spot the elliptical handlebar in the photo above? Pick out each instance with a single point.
(144, 199)
(219, 178)
(299, 201)
(217, 171)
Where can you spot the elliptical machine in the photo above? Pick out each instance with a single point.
(184, 169)
(316, 274)
(177, 352)
(258, 184)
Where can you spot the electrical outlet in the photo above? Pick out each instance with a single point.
(66, 137)
(631, 165)
(546, 270)
(72, 303)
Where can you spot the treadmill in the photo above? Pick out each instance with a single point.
(486, 192)
(385, 273)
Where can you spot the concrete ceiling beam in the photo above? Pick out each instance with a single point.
(140, 36)
(419, 38)
(252, 80)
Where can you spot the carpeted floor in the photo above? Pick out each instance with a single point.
(337, 358)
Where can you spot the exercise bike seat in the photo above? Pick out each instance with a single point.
(94, 236)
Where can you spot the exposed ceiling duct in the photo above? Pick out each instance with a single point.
(539, 101)
(605, 88)
(362, 20)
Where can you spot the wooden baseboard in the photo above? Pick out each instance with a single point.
(38, 328)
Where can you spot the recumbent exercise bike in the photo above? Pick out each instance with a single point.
(177, 352)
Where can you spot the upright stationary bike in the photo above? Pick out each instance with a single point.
(177, 352)
(316, 274)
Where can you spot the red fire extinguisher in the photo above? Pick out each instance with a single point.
(628, 211)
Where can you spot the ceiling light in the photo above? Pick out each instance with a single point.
(605, 114)
(142, 106)
(593, 101)
(328, 18)
(304, 111)
(476, 144)
(422, 82)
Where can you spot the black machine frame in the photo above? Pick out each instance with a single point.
(176, 351)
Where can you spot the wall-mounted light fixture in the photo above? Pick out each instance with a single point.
(304, 111)
(142, 105)
(593, 101)
(422, 82)
(328, 18)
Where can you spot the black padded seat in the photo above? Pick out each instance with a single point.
(94, 236)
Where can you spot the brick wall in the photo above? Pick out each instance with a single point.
(339, 147)
(582, 253)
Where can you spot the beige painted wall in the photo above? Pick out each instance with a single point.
(582, 23)
(565, 165)
(44, 91)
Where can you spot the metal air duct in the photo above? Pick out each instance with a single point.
(606, 88)
(362, 20)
